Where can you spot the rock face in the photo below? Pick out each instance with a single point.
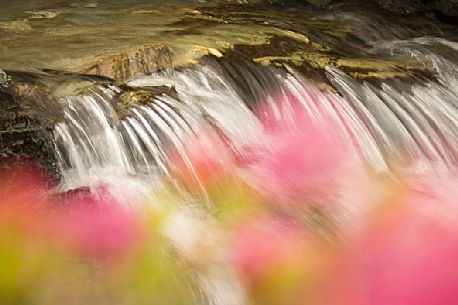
(265, 2)
(448, 7)
(25, 133)
(405, 6)
(445, 10)
(30, 108)
(318, 3)
(131, 62)
(3, 79)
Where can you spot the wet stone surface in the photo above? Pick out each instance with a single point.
(30, 109)
(124, 65)
(23, 134)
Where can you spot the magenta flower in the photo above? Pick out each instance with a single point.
(411, 259)
(262, 247)
(24, 201)
(95, 225)
(298, 159)
(406, 256)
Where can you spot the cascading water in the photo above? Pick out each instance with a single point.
(398, 123)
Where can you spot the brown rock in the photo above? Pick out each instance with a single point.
(135, 61)
(29, 110)
(264, 2)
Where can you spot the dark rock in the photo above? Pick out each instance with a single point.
(24, 134)
(405, 6)
(267, 2)
(445, 10)
(318, 3)
(131, 97)
(30, 108)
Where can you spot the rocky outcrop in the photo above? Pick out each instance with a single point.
(4, 79)
(445, 10)
(263, 2)
(30, 108)
(444, 7)
(131, 97)
(131, 62)
(318, 3)
(25, 132)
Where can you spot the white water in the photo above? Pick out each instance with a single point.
(415, 127)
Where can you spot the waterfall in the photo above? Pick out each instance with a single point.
(413, 126)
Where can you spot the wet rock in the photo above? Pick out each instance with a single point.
(135, 61)
(42, 14)
(265, 2)
(30, 108)
(445, 10)
(404, 6)
(318, 3)
(25, 134)
(16, 25)
(4, 79)
(32, 104)
(131, 97)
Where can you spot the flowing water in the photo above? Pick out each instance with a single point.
(390, 124)
(389, 85)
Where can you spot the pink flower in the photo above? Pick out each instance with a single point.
(411, 259)
(298, 159)
(24, 201)
(97, 226)
(260, 248)
(406, 256)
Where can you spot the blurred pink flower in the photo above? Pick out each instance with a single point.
(406, 256)
(20, 183)
(260, 247)
(24, 201)
(95, 225)
(411, 259)
(298, 159)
